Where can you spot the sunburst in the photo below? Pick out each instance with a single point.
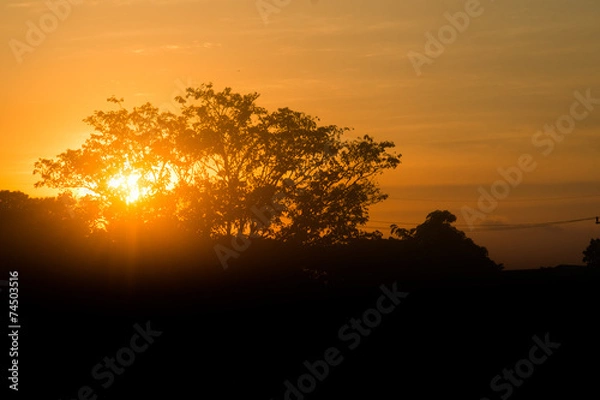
(128, 186)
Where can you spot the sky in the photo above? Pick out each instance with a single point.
(463, 88)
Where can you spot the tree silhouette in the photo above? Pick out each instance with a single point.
(591, 255)
(24, 221)
(224, 166)
(437, 242)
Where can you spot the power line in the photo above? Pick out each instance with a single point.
(499, 227)
(534, 225)
(523, 200)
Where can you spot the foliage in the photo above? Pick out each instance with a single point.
(222, 166)
(436, 240)
(591, 255)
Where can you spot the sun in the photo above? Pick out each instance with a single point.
(128, 186)
(133, 185)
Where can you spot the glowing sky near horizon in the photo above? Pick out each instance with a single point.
(474, 109)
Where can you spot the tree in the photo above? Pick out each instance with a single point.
(224, 166)
(591, 255)
(438, 223)
(25, 221)
(436, 241)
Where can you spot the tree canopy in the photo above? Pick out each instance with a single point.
(591, 255)
(223, 165)
(437, 242)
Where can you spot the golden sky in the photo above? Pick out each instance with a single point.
(509, 69)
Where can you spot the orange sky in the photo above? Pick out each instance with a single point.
(474, 108)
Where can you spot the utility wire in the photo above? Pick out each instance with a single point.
(534, 225)
(483, 228)
(523, 200)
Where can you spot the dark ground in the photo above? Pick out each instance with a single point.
(236, 335)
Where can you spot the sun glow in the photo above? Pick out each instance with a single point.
(128, 186)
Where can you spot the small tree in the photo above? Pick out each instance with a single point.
(437, 242)
(591, 255)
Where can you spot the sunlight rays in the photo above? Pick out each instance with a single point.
(129, 187)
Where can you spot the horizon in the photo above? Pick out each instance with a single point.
(457, 116)
(300, 199)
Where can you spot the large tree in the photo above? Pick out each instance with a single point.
(222, 166)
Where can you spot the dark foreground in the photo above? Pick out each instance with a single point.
(236, 335)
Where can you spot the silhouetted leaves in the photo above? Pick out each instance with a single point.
(437, 243)
(211, 166)
(592, 253)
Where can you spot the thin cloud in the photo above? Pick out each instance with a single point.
(183, 48)
(23, 4)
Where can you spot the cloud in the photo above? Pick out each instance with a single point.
(28, 6)
(23, 4)
(140, 2)
(182, 48)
